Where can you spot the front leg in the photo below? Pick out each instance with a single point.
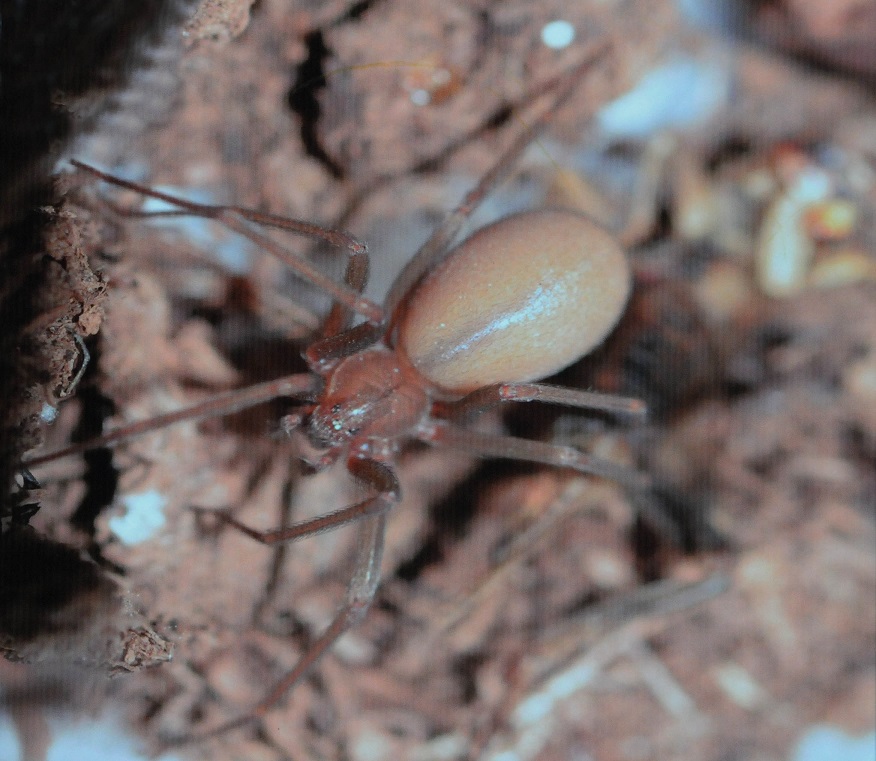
(369, 472)
(371, 514)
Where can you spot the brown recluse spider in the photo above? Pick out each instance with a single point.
(462, 329)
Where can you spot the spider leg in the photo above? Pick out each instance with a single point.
(238, 219)
(443, 236)
(371, 514)
(356, 278)
(445, 433)
(367, 471)
(300, 384)
(338, 339)
(320, 355)
(490, 396)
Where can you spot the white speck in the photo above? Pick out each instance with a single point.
(48, 413)
(558, 34)
(505, 755)
(371, 745)
(142, 519)
(681, 93)
(533, 709)
(420, 97)
(442, 748)
(826, 743)
(811, 185)
(740, 686)
(85, 739)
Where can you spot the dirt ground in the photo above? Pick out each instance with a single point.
(525, 612)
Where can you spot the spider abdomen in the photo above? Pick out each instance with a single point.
(518, 300)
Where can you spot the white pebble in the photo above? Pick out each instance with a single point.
(142, 519)
(558, 34)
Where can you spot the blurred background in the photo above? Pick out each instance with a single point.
(525, 613)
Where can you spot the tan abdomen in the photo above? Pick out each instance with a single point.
(518, 300)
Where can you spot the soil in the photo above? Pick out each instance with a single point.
(525, 612)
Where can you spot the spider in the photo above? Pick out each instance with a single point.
(463, 328)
